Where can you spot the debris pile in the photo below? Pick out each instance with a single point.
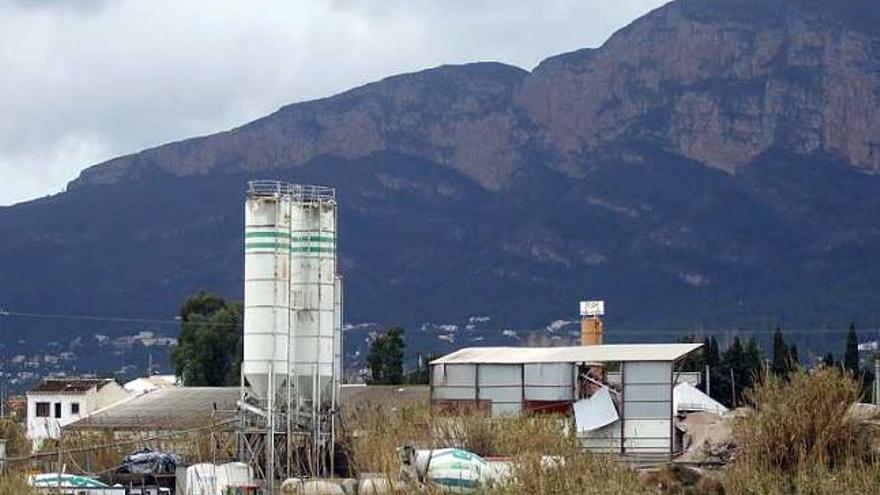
(707, 438)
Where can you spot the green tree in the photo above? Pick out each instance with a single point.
(385, 358)
(851, 354)
(713, 353)
(753, 360)
(202, 302)
(828, 360)
(731, 366)
(780, 364)
(420, 375)
(695, 361)
(793, 359)
(209, 349)
(740, 365)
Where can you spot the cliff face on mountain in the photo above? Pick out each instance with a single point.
(713, 164)
(719, 86)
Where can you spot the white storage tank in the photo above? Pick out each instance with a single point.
(266, 284)
(313, 291)
(293, 295)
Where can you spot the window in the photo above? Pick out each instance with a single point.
(57, 409)
(74, 408)
(42, 409)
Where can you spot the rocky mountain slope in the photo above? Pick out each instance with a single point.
(713, 165)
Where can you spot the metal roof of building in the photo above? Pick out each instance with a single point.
(580, 354)
(167, 409)
(183, 408)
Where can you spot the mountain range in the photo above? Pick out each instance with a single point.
(714, 165)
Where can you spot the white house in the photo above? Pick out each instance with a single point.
(56, 402)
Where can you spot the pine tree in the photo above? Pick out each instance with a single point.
(851, 354)
(780, 364)
(732, 363)
(695, 361)
(753, 360)
(713, 355)
(793, 359)
(828, 360)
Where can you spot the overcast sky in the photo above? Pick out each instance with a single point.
(82, 81)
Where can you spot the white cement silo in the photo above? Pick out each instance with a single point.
(313, 292)
(292, 361)
(266, 285)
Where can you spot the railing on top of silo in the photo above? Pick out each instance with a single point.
(300, 193)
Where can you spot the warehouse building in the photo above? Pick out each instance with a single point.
(633, 416)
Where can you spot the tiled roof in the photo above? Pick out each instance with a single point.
(70, 385)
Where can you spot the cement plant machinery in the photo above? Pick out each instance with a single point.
(291, 368)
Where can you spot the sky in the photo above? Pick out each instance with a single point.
(83, 81)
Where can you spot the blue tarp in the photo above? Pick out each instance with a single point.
(147, 461)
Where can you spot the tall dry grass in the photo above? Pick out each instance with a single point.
(99, 453)
(14, 484)
(376, 433)
(579, 472)
(800, 437)
(15, 434)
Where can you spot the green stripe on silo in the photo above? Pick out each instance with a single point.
(278, 246)
(266, 233)
(312, 238)
(267, 245)
(312, 249)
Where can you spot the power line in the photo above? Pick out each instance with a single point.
(615, 331)
(114, 319)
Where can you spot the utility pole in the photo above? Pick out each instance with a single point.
(2, 457)
(708, 382)
(732, 389)
(877, 379)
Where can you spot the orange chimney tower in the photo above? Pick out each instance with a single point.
(591, 322)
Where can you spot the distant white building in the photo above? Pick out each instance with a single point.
(148, 384)
(56, 402)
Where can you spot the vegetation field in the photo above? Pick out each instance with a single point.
(799, 434)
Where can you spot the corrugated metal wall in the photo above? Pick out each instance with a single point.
(645, 426)
(645, 408)
(504, 388)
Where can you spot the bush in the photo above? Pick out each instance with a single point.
(801, 438)
(803, 419)
(17, 443)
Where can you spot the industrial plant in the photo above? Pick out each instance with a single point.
(281, 427)
(292, 360)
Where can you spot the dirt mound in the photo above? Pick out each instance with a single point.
(707, 437)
